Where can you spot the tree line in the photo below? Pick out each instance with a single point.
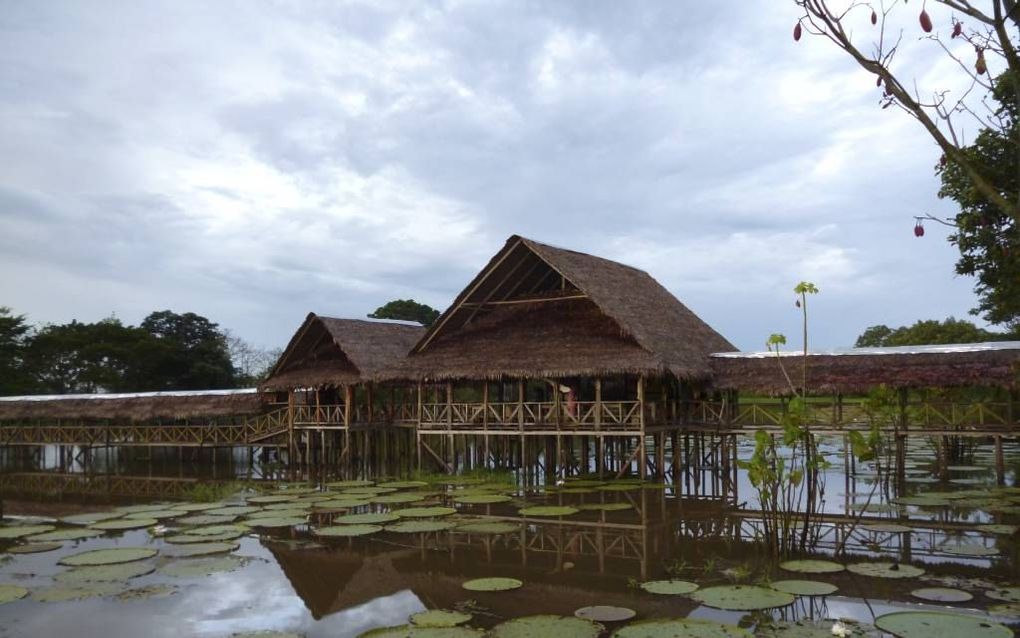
(166, 351)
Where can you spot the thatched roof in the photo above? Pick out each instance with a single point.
(142, 406)
(540, 311)
(859, 369)
(331, 352)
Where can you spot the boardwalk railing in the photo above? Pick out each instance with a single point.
(611, 416)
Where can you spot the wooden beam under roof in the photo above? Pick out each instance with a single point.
(510, 302)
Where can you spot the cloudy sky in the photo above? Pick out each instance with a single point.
(254, 161)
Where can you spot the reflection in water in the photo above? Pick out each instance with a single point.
(296, 582)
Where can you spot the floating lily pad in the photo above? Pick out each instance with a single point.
(889, 528)
(424, 512)
(368, 491)
(482, 499)
(1005, 594)
(204, 549)
(548, 510)
(345, 502)
(410, 631)
(66, 593)
(806, 628)
(206, 519)
(134, 509)
(937, 624)
(10, 593)
(547, 625)
(401, 485)
(742, 597)
(366, 519)
(680, 627)
(942, 594)
(439, 618)
(669, 587)
(419, 527)
(121, 524)
(1005, 609)
(147, 592)
(492, 584)
(885, 570)
(289, 513)
(65, 535)
(395, 499)
(157, 514)
(108, 556)
(234, 510)
(17, 531)
(805, 587)
(605, 613)
(90, 518)
(272, 498)
(105, 573)
(349, 484)
(279, 521)
(34, 548)
(605, 507)
(341, 531)
(489, 528)
(219, 530)
(812, 566)
(201, 567)
(969, 549)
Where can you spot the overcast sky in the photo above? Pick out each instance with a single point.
(255, 161)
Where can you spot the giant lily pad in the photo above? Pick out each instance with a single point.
(204, 549)
(134, 509)
(368, 491)
(206, 519)
(10, 593)
(885, 570)
(90, 518)
(340, 485)
(547, 625)
(366, 519)
(17, 531)
(742, 597)
(605, 507)
(120, 524)
(105, 573)
(482, 499)
(344, 502)
(669, 587)
(401, 485)
(234, 510)
(418, 527)
(605, 613)
(812, 566)
(410, 631)
(277, 521)
(272, 498)
(200, 567)
(157, 514)
(489, 528)
(937, 624)
(424, 512)
(108, 556)
(1005, 594)
(65, 593)
(492, 584)
(218, 530)
(548, 510)
(439, 618)
(65, 535)
(395, 499)
(343, 531)
(942, 594)
(677, 627)
(34, 548)
(804, 587)
(290, 513)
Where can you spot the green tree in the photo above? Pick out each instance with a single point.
(84, 357)
(185, 352)
(928, 333)
(407, 310)
(14, 335)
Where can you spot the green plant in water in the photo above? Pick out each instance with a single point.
(212, 492)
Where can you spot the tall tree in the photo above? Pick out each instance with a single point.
(982, 174)
(407, 310)
(186, 352)
(14, 334)
(251, 362)
(84, 357)
(929, 332)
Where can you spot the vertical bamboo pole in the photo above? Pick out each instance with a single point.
(452, 451)
(417, 430)
(642, 460)
(520, 418)
(485, 422)
(600, 442)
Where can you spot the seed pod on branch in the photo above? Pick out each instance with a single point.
(918, 229)
(874, 17)
(797, 32)
(980, 65)
(926, 21)
(957, 29)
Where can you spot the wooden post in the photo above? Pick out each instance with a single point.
(348, 408)
(417, 430)
(642, 460)
(485, 423)
(520, 417)
(600, 442)
(1000, 461)
(291, 451)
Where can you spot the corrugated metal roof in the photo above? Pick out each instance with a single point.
(131, 395)
(849, 352)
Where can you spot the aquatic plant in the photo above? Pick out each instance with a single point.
(105, 573)
(547, 625)
(686, 627)
(605, 613)
(669, 587)
(205, 492)
(742, 597)
(804, 587)
(108, 556)
(492, 584)
(10, 593)
(439, 618)
(936, 624)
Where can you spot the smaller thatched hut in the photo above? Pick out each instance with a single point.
(857, 370)
(135, 407)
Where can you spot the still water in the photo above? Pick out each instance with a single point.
(288, 574)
